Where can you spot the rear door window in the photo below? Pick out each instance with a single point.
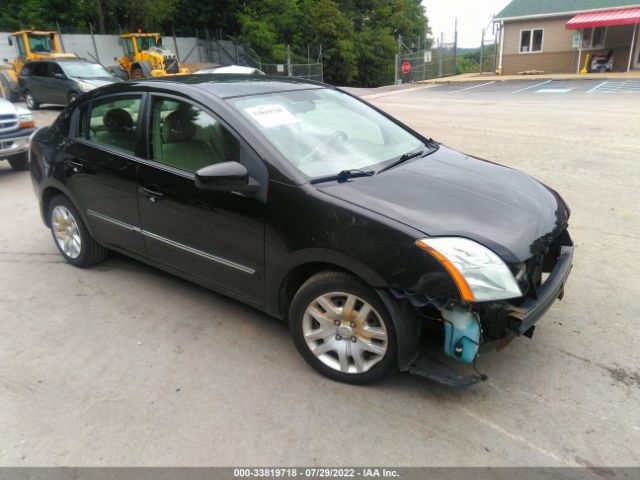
(113, 122)
(38, 69)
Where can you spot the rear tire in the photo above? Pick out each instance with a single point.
(342, 329)
(30, 101)
(71, 236)
(20, 162)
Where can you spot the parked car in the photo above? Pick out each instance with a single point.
(61, 81)
(232, 69)
(16, 126)
(312, 206)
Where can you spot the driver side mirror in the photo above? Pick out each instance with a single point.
(226, 177)
(10, 41)
(59, 76)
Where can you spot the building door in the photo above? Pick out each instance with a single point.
(636, 55)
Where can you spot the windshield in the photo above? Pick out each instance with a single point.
(85, 70)
(145, 43)
(323, 132)
(40, 43)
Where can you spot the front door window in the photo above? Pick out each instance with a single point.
(185, 137)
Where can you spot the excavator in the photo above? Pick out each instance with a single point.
(145, 57)
(30, 45)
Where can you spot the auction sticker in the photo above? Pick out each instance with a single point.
(269, 116)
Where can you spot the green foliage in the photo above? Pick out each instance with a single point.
(468, 60)
(358, 37)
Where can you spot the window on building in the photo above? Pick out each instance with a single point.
(531, 40)
(593, 38)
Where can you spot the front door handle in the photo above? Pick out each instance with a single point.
(152, 195)
(76, 166)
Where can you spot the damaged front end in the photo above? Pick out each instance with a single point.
(454, 332)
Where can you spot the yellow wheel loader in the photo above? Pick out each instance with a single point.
(145, 57)
(30, 45)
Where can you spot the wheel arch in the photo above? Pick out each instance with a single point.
(50, 191)
(405, 317)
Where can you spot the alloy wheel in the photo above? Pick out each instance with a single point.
(28, 99)
(345, 332)
(66, 232)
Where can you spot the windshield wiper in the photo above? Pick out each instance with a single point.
(344, 175)
(402, 159)
(431, 144)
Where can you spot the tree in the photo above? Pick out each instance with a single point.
(358, 37)
(325, 26)
(377, 24)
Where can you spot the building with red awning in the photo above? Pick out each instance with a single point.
(567, 36)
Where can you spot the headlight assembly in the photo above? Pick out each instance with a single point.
(85, 87)
(479, 274)
(26, 120)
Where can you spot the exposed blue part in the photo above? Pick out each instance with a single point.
(461, 334)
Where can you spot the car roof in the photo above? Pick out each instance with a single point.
(231, 85)
(63, 60)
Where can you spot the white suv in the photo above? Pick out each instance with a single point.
(16, 126)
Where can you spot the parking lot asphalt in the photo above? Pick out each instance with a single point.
(122, 364)
(559, 89)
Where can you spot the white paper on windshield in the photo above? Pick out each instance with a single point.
(269, 116)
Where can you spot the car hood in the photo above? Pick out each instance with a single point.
(98, 82)
(7, 107)
(449, 193)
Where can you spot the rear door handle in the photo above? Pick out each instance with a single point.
(152, 195)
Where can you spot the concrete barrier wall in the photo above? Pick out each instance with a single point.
(108, 47)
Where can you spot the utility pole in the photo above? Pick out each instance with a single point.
(398, 56)
(481, 51)
(455, 47)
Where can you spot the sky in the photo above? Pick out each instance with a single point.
(473, 16)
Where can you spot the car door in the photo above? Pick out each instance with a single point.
(36, 82)
(57, 84)
(217, 237)
(101, 161)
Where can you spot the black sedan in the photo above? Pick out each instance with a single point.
(313, 206)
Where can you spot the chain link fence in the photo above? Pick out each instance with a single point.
(310, 68)
(424, 64)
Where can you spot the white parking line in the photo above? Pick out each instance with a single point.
(626, 86)
(597, 87)
(475, 86)
(531, 86)
(397, 92)
(554, 90)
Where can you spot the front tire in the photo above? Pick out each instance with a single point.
(342, 329)
(19, 162)
(72, 97)
(71, 236)
(137, 74)
(30, 101)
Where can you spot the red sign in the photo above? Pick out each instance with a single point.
(406, 67)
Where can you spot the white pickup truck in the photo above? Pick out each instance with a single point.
(16, 126)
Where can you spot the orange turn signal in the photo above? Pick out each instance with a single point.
(463, 287)
(27, 124)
